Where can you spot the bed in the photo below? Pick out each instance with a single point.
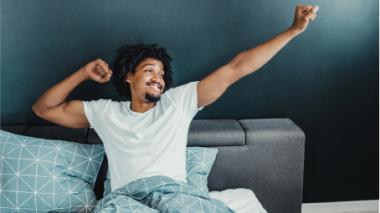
(258, 168)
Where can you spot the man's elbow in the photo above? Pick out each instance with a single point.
(242, 66)
(37, 110)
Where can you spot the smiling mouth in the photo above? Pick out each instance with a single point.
(155, 86)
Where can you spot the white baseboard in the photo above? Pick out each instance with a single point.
(363, 206)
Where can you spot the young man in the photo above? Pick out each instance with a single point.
(147, 135)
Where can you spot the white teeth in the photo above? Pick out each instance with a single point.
(154, 85)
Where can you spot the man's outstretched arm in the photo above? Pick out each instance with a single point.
(214, 85)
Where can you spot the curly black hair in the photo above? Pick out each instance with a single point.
(130, 56)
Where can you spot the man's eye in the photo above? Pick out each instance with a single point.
(148, 70)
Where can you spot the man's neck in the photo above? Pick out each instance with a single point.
(141, 106)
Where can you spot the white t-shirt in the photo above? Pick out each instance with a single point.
(145, 144)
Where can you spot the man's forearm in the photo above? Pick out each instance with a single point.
(251, 60)
(59, 92)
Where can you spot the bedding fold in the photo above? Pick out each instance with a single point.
(160, 194)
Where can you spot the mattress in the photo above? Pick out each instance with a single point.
(240, 200)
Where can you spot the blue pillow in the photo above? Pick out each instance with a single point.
(199, 161)
(41, 175)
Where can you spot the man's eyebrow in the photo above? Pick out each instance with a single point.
(147, 65)
(150, 65)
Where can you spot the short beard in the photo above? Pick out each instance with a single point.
(152, 98)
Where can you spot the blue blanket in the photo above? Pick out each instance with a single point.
(159, 194)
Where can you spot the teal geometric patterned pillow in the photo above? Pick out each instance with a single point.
(199, 161)
(40, 175)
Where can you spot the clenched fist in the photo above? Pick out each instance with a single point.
(303, 15)
(98, 71)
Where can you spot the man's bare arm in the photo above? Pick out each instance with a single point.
(52, 106)
(247, 62)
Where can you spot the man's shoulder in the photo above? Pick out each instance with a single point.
(182, 96)
(102, 102)
(182, 88)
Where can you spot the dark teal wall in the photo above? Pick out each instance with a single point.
(326, 80)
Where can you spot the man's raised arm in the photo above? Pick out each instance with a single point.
(214, 85)
(52, 106)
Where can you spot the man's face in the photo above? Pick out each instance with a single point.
(147, 83)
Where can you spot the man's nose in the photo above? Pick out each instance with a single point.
(155, 77)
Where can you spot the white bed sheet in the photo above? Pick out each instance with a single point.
(240, 200)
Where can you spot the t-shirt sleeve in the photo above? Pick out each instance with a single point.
(186, 98)
(95, 110)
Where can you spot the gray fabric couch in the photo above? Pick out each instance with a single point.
(265, 155)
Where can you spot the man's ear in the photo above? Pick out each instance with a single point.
(128, 78)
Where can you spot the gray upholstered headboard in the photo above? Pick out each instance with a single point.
(265, 155)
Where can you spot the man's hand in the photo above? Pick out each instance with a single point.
(97, 70)
(303, 15)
